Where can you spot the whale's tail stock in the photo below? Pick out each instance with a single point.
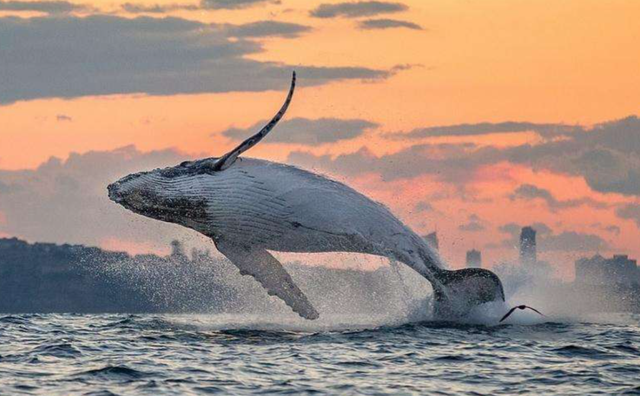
(456, 292)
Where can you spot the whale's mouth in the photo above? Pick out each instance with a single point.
(131, 193)
(114, 193)
(121, 191)
(136, 194)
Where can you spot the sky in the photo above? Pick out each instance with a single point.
(466, 117)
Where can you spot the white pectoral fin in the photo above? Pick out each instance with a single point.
(271, 275)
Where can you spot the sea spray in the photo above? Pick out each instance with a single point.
(371, 294)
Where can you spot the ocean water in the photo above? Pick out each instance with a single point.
(342, 355)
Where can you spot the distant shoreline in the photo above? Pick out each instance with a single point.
(50, 278)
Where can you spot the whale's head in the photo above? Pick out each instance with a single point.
(173, 195)
(178, 194)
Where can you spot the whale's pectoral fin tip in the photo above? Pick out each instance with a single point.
(229, 158)
(268, 271)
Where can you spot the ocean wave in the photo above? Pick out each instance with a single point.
(199, 354)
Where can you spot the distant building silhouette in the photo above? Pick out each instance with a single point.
(528, 254)
(432, 240)
(177, 250)
(474, 259)
(597, 270)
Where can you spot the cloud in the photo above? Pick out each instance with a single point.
(371, 24)
(233, 4)
(514, 229)
(258, 29)
(548, 241)
(613, 229)
(66, 201)
(51, 7)
(572, 241)
(267, 29)
(423, 206)
(629, 212)
(100, 55)
(306, 131)
(485, 128)
(471, 227)
(135, 8)
(63, 117)
(530, 192)
(357, 9)
(454, 163)
(474, 224)
(607, 156)
(4, 188)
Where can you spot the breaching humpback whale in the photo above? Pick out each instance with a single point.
(249, 207)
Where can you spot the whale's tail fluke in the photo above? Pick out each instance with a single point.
(459, 291)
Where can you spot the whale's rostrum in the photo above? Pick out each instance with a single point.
(249, 207)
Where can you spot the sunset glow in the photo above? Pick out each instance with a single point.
(555, 65)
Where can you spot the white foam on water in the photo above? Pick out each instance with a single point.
(326, 323)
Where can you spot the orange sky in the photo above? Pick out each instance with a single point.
(573, 61)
